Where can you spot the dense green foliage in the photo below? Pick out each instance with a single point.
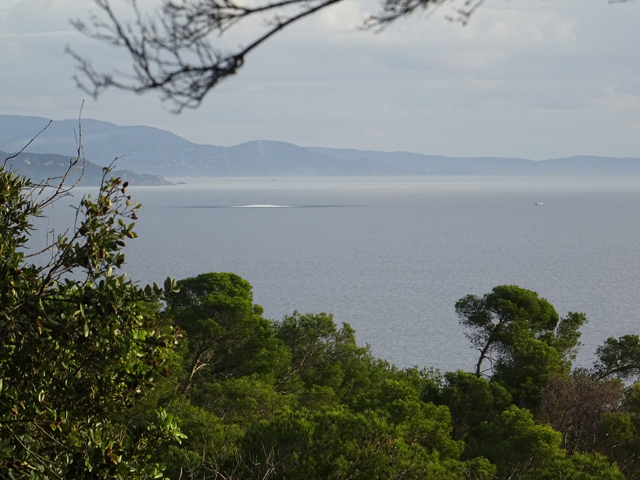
(79, 345)
(102, 378)
(522, 337)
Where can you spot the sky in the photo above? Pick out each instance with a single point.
(533, 79)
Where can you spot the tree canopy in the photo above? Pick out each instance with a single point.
(522, 338)
(79, 344)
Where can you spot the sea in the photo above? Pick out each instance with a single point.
(391, 255)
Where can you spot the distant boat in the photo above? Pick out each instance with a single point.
(539, 204)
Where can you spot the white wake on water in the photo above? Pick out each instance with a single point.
(260, 206)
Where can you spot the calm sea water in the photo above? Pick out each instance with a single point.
(391, 256)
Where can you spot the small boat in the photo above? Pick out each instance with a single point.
(538, 204)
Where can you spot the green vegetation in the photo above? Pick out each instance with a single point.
(102, 378)
(79, 345)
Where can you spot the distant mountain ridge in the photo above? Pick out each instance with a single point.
(39, 167)
(159, 152)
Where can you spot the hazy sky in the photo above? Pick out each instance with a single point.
(529, 78)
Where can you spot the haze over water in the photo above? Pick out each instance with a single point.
(392, 255)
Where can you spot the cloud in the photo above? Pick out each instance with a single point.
(526, 78)
(41, 16)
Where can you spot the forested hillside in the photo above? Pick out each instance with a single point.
(39, 167)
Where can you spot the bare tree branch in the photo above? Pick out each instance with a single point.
(10, 157)
(173, 51)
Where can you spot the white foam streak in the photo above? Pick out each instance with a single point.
(261, 206)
